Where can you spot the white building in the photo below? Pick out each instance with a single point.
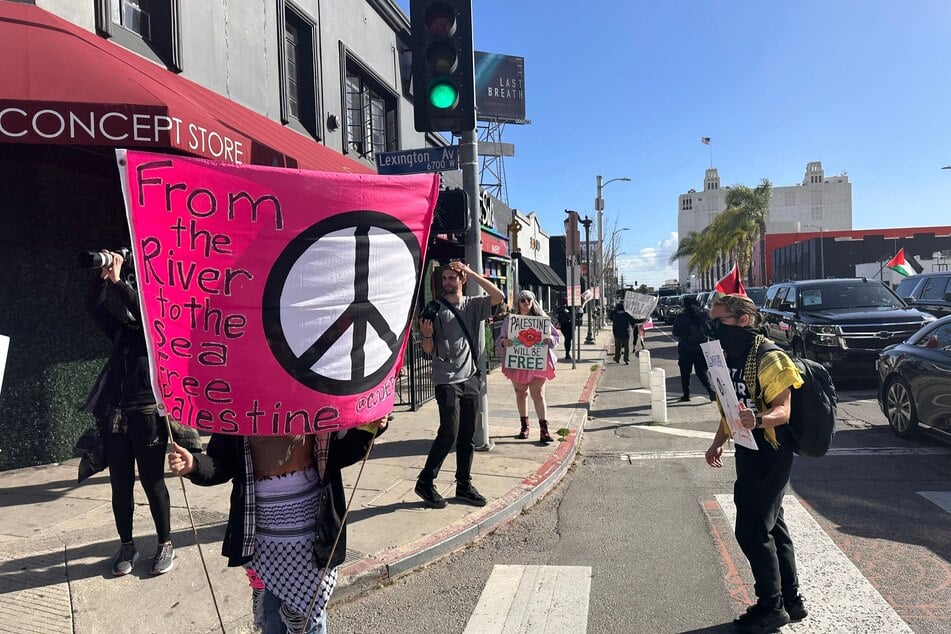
(819, 201)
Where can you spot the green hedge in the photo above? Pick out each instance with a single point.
(56, 202)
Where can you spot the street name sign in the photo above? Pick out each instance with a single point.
(431, 159)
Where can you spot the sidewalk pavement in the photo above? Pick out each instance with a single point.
(57, 538)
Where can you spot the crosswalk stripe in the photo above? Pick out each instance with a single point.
(838, 596)
(941, 498)
(845, 452)
(533, 600)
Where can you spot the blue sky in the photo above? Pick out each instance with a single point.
(627, 88)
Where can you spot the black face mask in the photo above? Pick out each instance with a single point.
(733, 339)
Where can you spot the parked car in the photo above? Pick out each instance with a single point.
(930, 292)
(914, 379)
(675, 306)
(757, 294)
(841, 323)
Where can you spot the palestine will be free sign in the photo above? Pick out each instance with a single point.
(275, 301)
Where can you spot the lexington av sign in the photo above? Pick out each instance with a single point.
(128, 126)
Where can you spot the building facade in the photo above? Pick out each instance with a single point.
(312, 84)
(819, 200)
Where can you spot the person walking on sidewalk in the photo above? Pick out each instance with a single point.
(124, 408)
(764, 393)
(565, 326)
(456, 320)
(530, 381)
(690, 330)
(622, 324)
(287, 499)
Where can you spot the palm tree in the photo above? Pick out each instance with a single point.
(750, 211)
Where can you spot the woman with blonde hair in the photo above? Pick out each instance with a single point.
(531, 382)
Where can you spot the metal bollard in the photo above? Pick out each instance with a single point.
(644, 367)
(658, 395)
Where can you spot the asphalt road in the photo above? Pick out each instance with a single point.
(638, 515)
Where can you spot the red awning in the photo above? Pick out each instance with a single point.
(63, 85)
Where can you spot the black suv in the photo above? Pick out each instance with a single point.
(843, 324)
(930, 292)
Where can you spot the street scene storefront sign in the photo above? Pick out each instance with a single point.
(275, 302)
(126, 125)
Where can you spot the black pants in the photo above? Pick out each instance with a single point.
(569, 336)
(458, 408)
(143, 445)
(622, 343)
(690, 359)
(761, 479)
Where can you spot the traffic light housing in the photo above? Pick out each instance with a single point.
(452, 212)
(443, 65)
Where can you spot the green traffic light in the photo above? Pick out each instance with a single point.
(443, 94)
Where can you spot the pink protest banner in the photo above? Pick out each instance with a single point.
(275, 301)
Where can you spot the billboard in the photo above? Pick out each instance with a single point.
(500, 87)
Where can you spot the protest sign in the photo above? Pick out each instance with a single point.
(723, 384)
(275, 301)
(528, 350)
(639, 305)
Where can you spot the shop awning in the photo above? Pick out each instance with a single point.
(534, 273)
(66, 86)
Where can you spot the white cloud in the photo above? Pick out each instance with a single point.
(649, 265)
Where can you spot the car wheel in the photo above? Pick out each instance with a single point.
(900, 409)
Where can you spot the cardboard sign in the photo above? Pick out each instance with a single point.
(275, 301)
(528, 350)
(723, 384)
(639, 305)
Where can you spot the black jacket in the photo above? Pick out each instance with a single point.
(690, 330)
(124, 381)
(225, 460)
(622, 322)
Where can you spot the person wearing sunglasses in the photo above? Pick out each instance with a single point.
(763, 385)
(526, 381)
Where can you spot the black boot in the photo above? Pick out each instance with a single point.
(523, 434)
(544, 436)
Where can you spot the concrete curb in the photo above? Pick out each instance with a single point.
(368, 573)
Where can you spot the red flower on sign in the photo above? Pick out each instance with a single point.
(529, 337)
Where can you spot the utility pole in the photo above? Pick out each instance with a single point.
(586, 223)
(469, 162)
(599, 207)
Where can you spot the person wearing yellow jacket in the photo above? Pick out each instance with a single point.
(764, 392)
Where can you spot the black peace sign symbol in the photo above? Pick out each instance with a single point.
(360, 315)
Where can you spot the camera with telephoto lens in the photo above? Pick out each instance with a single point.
(430, 311)
(98, 259)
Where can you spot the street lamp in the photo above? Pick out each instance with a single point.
(586, 223)
(599, 207)
(822, 250)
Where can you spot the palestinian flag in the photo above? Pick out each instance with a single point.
(899, 265)
(730, 284)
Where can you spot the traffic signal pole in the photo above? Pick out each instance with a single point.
(469, 162)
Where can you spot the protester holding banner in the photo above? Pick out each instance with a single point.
(451, 337)
(622, 324)
(533, 380)
(287, 502)
(690, 330)
(565, 326)
(124, 408)
(762, 474)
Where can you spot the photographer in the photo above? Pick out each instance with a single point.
(124, 408)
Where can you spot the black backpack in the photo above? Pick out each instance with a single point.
(812, 419)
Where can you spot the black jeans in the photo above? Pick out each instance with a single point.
(622, 343)
(568, 335)
(458, 408)
(690, 359)
(761, 479)
(143, 445)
